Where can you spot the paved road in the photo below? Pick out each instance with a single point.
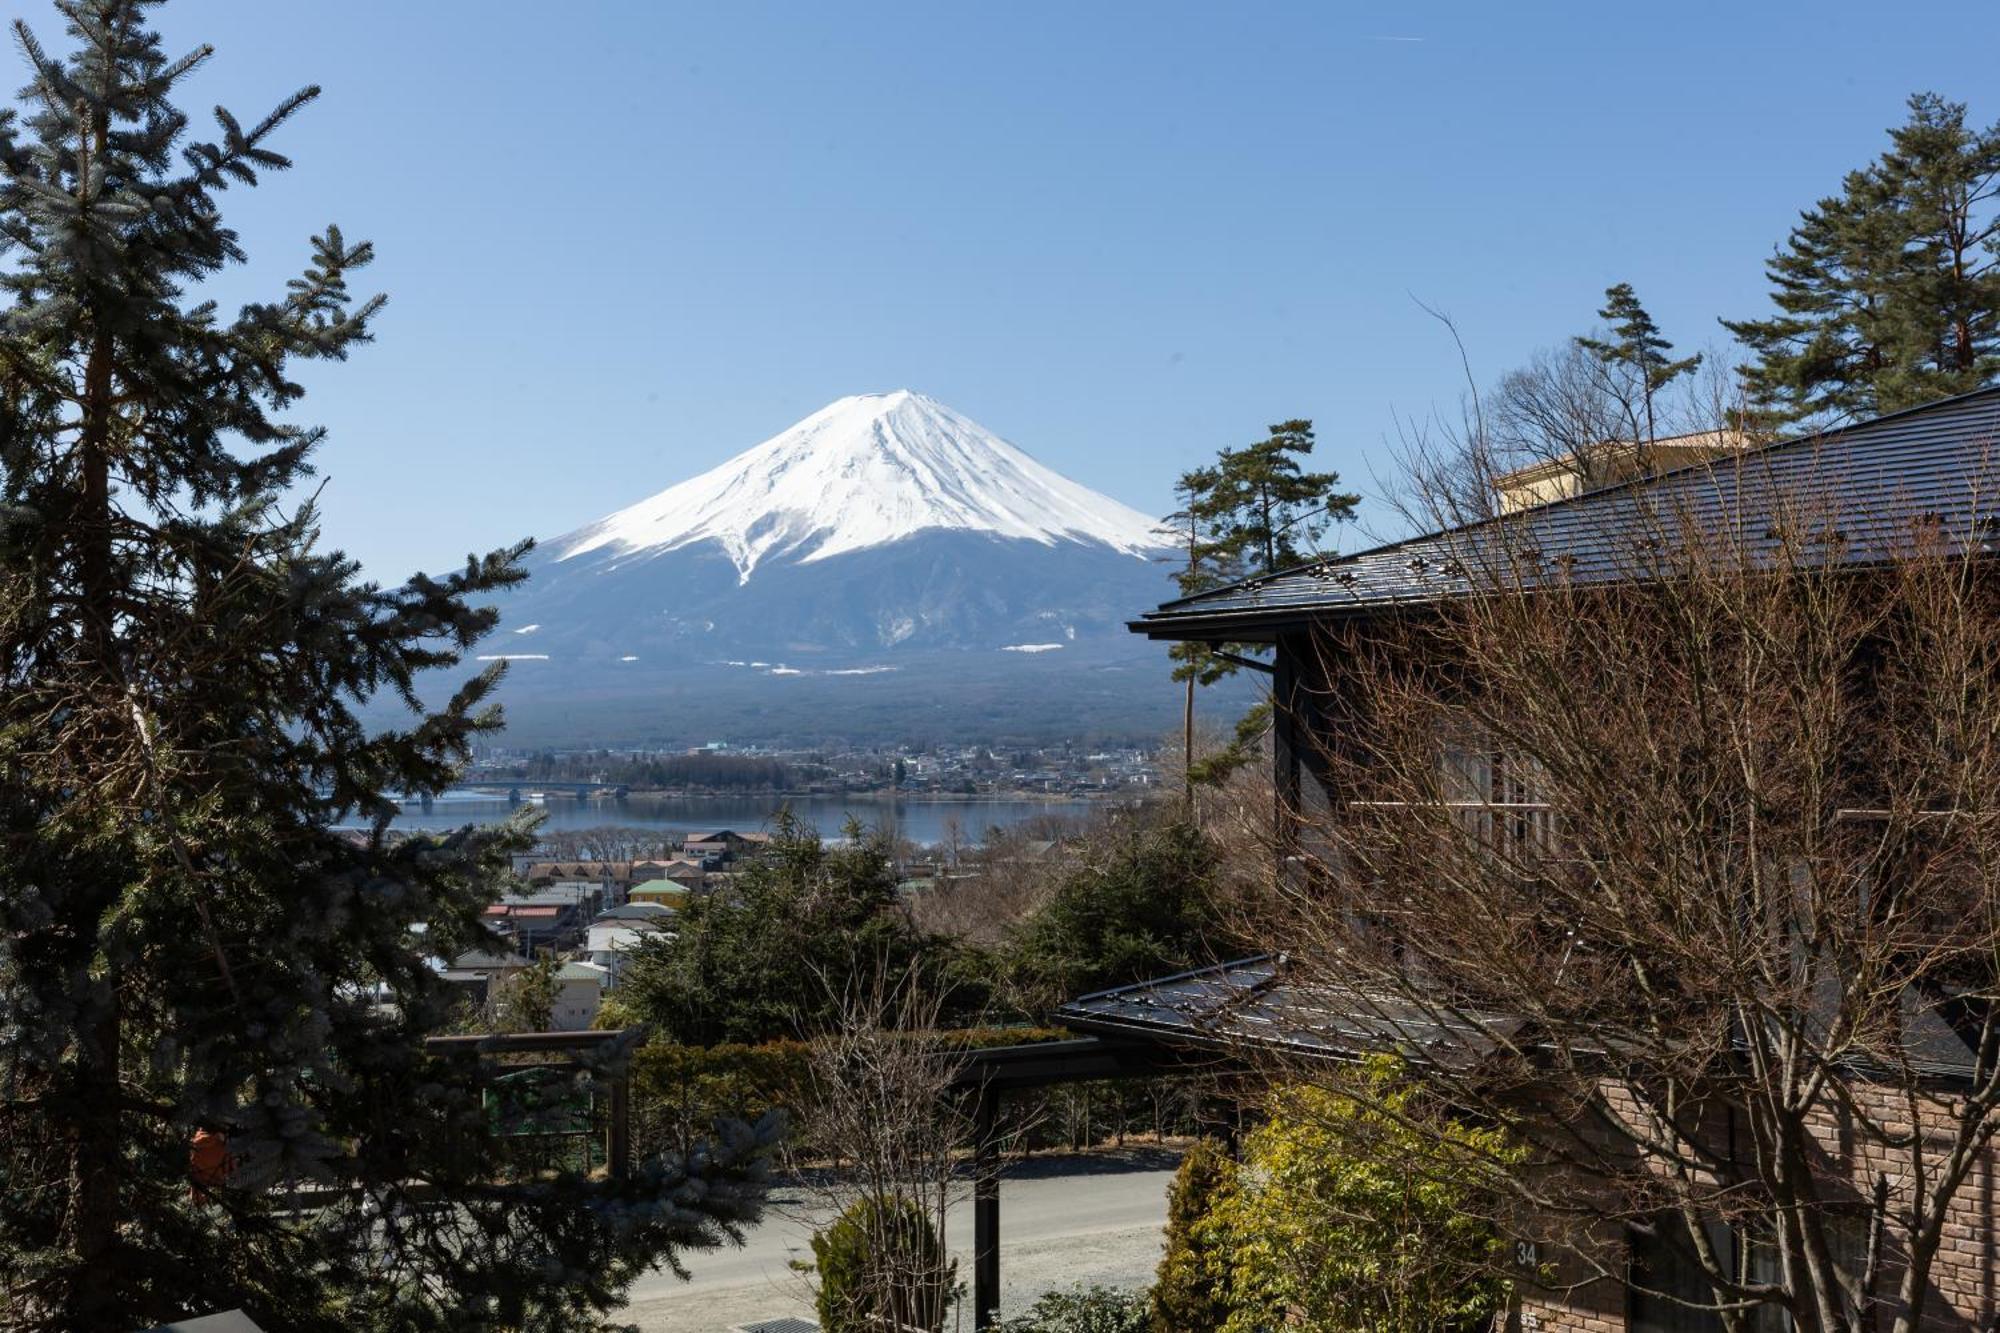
(1063, 1221)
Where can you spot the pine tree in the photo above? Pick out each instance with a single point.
(185, 942)
(1636, 355)
(1143, 903)
(1255, 511)
(1267, 510)
(1888, 294)
(1209, 564)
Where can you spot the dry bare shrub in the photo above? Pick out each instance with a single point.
(881, 1097)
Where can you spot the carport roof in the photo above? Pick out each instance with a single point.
(1258, 1002)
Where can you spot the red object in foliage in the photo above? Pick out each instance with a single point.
(208, 1160)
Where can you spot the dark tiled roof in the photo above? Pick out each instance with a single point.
(1260, 1003)
(1865, 487)
(1257, 1002)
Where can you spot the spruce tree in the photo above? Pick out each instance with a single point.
(187, 944)
(1887, 293)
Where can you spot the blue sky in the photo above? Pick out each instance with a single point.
(625, 240)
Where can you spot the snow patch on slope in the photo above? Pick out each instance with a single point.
(781, 669)
(866, 471)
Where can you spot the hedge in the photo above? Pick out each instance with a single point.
(679, 1092)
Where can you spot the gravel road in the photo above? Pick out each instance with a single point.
(1063, 1220)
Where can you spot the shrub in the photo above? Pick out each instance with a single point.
(1141, 903)
(1085, 1310)
(1191, 1292)
(882, 1266)
(528, 1003)
(768, 956)
(679, 1092)
(1356, 1207)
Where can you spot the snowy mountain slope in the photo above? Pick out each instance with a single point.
(864, 471)
(886, 548)
(934, 590)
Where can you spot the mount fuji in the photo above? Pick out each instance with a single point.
(885, 563)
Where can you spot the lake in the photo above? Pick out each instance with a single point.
(919, 820)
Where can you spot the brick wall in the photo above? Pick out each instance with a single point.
(1964, 1290)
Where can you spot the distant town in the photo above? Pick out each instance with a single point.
(721, 768)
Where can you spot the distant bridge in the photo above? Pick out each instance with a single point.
(526, 785)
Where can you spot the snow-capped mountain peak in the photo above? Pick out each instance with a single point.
(865, 471)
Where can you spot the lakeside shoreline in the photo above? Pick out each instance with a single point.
(932, 798)
(924, 820)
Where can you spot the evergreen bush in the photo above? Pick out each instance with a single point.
(765, 959)
(1190, 1294)
(882, 1266)
(1140, 904)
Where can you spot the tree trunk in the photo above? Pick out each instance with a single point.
(94, 1169)
(98, 1143)
(1187, 747)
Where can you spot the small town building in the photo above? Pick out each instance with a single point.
(725, 844)
(481, 974)
(684, 870)
(1609, 463)
(611, 878)
(580, 991)
(659, 893)
(618, 933)
(548, 918)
